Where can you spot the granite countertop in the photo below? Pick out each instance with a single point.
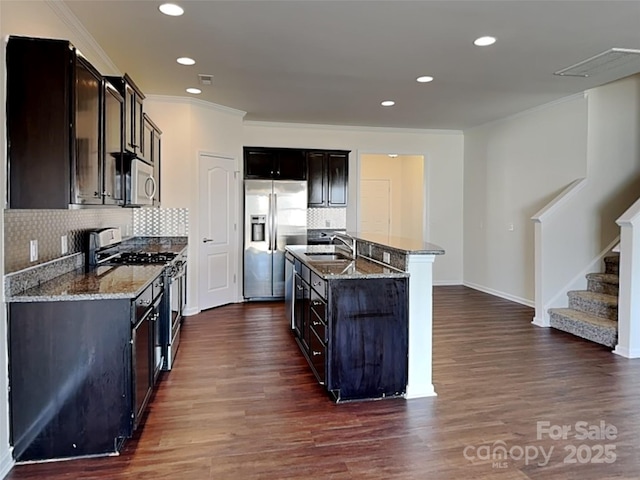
(358, 268)
(114, 282)
(401, 244)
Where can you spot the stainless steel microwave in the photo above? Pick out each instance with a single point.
(142, 184)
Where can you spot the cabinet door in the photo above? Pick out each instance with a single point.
(142, 368)
(291, 165)
(146, 142)
(259, 164)
(87, 128)
(298, 308)
(337, 173)
(138, 121)
(156, 154)
(113, 144)
(129, 116)
(316, 179)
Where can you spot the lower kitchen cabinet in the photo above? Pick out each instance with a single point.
(354, 334)
(80, 374)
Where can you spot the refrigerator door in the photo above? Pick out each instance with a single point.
(289, 225)
(258, 238)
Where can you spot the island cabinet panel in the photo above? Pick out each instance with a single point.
(70, 378)
(368, 340)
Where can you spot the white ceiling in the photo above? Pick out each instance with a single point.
(333, 62)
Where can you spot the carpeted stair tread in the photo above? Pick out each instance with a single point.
(596, 329)
(594, 297)
(611, 278)
(612, 264)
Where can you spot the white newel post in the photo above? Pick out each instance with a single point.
(541, 318)
(420, 268)
(629, 296)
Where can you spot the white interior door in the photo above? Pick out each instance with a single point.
(218, 242)
(375, 206)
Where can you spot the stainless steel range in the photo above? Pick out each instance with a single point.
(105, 247)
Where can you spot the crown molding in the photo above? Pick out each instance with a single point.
(88, 44)
(197, 102)
(352, 128)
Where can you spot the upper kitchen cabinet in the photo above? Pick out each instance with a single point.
(113, 144)
(151, 147)
(328, 175)
(54, 122)
(133, 115)
(275, 163)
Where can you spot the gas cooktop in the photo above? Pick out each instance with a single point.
(142, 258)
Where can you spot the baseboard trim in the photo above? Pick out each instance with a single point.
(506, 296)
(425, 391)
(446, 283)
(6, 462)
(187, 312)
(626, 353)
(541, 322)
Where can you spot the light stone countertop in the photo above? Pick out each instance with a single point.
(405, 245)
(110, 282)
(359, 268)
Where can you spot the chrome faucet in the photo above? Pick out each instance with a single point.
(351, 245)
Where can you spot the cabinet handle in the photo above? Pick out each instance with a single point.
(96, 194)
(145, 302)
(316, 303)
(316, 284)
(207, 240)
(299, 287)
(315, 354)
(316, 323)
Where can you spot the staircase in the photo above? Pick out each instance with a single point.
(593, 313)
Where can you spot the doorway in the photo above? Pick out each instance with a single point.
(218, 245)
(392, 195)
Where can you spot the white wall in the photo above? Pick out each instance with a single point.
(190, 127)
(443, 153)
(513, 167)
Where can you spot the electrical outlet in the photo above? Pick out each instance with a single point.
(33, 250)
(510, 227)
(64, 245)
(386, 257)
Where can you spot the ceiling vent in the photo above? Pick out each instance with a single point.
(608, 60)
(205, 79)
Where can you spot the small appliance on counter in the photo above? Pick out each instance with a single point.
(105, 248)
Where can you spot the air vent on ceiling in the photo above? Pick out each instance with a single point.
(608, 60)
(205, 79)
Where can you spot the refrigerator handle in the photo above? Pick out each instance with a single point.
(275, 223)
(270, 222)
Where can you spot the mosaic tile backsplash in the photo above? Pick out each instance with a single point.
(319, 218)
(48, 226)
(161, 222)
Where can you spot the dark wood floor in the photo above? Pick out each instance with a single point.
(241, 403)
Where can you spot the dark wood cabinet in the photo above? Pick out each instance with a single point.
(113, 190)
(151, 148)
(133, 123)
(327, 178)
(274, 163)
(80, 373)
(354, 334)
(57, 112)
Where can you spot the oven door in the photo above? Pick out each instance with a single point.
(175, 304)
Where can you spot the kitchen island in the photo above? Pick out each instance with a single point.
(364, 321)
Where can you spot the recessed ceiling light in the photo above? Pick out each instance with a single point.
(171, 9)
(186, 61)
(424, 79)
(393, 155)
(484, 41)
(195, 91)
(388, 103)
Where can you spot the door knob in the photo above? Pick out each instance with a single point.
(207, 240)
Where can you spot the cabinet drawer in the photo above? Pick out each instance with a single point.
(319, 285)
(318, 325)
(143, 303)
(158, 286)
(317, 356)
(318, 306)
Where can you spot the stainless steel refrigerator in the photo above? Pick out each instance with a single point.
(275, 215)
